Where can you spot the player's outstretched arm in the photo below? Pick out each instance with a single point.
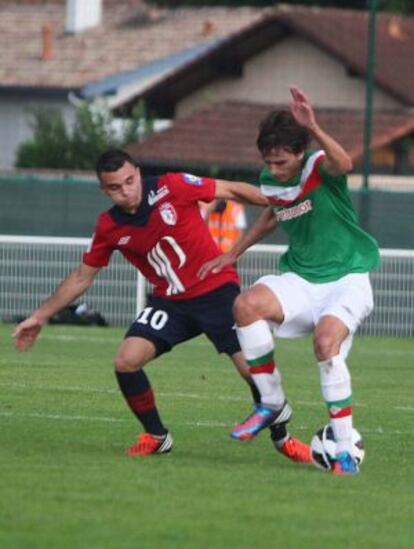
(337, 161)
(265, 223)
(241, 192)
(71, 288)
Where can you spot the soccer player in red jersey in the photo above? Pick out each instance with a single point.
(156, 225)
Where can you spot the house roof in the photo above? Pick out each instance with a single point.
(135, 39)
(122, 88)
(343, 33)
(340, 33)
(224, 135)
(131, 35)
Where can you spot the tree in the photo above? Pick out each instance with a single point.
(50, 145)
(56, 146)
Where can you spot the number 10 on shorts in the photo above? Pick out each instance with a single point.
(157, 319)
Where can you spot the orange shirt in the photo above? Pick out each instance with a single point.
(225, 227)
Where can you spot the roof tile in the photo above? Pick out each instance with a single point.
(344, 34)
(225, 134)
(123, 41)
(134, 33)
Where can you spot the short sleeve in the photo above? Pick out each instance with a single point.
(99, 251)
(192, 188)
(328, 179)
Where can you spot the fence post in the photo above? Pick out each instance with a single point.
(369, 92)
(140, 297)
(364, 197)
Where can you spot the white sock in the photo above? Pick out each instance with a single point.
(257, 344)
(337, 393)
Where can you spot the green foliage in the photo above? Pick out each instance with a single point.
(178, 3)
(139, 125)
(91, 135)
(57, 146)
(50, 141)
(397, 6)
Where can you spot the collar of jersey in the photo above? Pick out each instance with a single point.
(268, 179)
(141, 216)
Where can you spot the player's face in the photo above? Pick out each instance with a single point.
(283, 164)
(123, 187)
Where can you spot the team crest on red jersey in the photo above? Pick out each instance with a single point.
(168, 213)
(192, 179)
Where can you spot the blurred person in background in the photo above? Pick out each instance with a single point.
(226, 221)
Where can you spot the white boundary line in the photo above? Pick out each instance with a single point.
(52, 240)
(69, 241)
(210, 424)
(191, 396)
(205, 343)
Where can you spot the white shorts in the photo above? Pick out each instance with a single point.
(304, 303)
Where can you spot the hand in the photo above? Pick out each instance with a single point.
(302, 109)
(216, 265)
(26, 333)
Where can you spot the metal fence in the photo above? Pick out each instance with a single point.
(32, 267)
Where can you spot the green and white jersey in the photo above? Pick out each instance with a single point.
(315, 209)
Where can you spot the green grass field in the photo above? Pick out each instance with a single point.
(65, 482)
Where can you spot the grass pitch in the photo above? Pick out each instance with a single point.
(65, 482)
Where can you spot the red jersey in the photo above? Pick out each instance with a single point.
(166, 239)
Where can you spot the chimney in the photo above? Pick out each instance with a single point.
(208, 27)
(82, 15)
(47, 37)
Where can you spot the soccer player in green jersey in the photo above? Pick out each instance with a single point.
(324, 287)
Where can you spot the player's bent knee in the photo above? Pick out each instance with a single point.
(125, 365)
(244, 306)
(325, 345)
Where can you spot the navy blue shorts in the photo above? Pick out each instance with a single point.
(167, 323)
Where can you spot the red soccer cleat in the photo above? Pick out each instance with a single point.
(297, 451)
(148, 444)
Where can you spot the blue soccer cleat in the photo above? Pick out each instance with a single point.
(345, 464)
(261, 418)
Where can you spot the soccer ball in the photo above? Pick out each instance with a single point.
(323, 446)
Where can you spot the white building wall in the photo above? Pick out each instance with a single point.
(294, 61)
(15, 123)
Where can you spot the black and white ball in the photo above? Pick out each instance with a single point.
(323, 446)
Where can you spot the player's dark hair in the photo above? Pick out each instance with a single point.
(111, 160)
(280, 130)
